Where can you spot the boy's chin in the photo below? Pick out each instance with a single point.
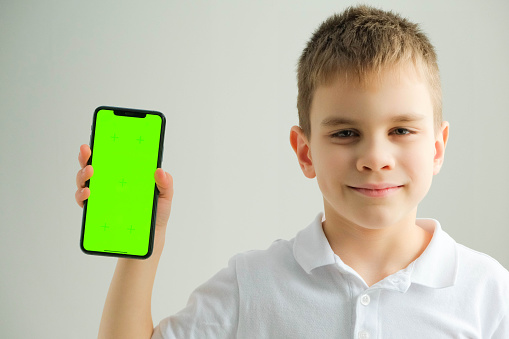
(373, 220)
(372, 217)
(382, 221)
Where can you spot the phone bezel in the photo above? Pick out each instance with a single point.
(135, 113)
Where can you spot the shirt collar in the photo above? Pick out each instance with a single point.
(311, 248)
(436, 267)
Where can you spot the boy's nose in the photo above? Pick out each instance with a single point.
(375, 157)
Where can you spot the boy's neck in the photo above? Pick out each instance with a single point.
(376, 253)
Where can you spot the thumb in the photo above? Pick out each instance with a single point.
(164, 182)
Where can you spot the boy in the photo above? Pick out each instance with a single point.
(372, 134)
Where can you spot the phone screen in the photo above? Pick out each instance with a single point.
(119, 216)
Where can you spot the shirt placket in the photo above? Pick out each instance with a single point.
(366, 311)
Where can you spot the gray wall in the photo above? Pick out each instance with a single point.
(224, 75)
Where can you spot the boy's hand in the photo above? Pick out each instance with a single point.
(164, 182)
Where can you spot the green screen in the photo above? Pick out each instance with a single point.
(124, 158)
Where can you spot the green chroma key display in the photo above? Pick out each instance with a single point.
(119, 216)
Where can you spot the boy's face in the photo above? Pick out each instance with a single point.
(373, 147)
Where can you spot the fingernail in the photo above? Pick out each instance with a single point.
(82, 190)
(83, 171)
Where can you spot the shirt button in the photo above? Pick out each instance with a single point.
(395, 280)
(363, 335)
(365, 300)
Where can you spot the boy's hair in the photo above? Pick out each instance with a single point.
(359, 44)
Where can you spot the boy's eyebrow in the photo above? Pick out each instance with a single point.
(335, 121)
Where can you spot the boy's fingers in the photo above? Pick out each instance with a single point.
(82, 177)
(81, 196)
(80, 183)
(77, 197)
(83, 155)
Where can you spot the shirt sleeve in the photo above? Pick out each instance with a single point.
(212, 310)
(502, 331)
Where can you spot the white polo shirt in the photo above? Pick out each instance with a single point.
(301, 289)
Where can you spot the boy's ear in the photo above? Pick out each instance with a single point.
(440, 143)
(300, 145)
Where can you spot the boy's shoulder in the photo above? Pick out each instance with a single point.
(481, 266)
(279, 255)
(309, 249)
(483, 280)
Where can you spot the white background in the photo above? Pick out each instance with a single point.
(223, 73)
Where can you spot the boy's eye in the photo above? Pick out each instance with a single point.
(403, 130)
(347, 133)
(343, 134)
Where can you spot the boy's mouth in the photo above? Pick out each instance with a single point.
(379, 186)
(376, 190)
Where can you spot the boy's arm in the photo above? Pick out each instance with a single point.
(127, 311)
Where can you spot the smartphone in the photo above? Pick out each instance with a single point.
(120, 214)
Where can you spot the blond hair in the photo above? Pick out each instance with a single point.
(359, 44)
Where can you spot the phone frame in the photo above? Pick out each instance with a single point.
(137, 113)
